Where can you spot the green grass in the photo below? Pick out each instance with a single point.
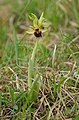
(57, 63)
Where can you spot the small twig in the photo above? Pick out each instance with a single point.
(53, 58)
(42, 99)
(73, 40)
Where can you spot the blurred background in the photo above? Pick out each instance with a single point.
(62, 14)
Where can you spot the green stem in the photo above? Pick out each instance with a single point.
(34, 50)
(31, 66)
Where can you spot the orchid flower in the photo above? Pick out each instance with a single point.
(39, 25)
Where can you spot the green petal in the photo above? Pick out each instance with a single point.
(32, 16)
(43, 31)
(35, 20)
(35, 23)
(30, 32)
(46, 24)
(32, 27)
(40, 19)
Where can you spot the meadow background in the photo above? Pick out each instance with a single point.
(57, 60)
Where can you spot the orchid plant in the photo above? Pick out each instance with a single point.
(39, 27)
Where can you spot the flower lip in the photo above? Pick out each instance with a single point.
(38, 33)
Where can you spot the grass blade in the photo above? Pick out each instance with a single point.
(16, 45)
